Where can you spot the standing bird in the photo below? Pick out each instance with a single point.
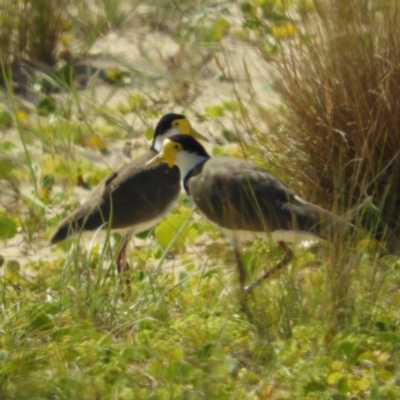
(133, 198)
(245, 201)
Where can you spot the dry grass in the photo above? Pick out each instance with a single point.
(340, 81)
(31, 29)
(335, 137)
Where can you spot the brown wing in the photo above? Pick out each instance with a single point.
(132, 195)
(239, 196)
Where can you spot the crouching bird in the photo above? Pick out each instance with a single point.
(133, 198)
(245, 201)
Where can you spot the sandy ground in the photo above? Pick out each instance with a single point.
(199, 76)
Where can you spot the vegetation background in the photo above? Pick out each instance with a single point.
(307, 89)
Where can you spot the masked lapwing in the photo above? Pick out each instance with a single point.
(245, 201)
(134, 198)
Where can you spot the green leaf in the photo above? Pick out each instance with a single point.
(13, 267)
(314, 386)
(167, 230)
(231, 105)
(41, 321)
(7, 145)
(178, 370)
(5, 119)
(229, 135)
(6, 167)
(247, 8)
(219, 152)
(343, 385)
(248, 377)
(251, 261)
(388, 337)
(205, 351)
(65, 73)
(348, 349)
(46, 106)
(149, 134)
(8, 228)
(214, 111)
(41, 316)
(47, 182)
(4, 356)
(137, 102)
(145, 234)
(116, 76)
(219, 29)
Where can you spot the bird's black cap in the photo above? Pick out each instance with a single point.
(165, 123)
(190, 144)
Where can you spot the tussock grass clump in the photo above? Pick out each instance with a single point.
(335, 136)
(31, 29)
(340, 82)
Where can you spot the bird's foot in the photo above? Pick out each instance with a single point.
(249, 288)
(267, 274)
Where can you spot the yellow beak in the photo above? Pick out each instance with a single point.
(197, 135)
(186, 129)
(158, 159)
(167, 155)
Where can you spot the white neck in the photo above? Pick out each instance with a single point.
(186, 161)
(160, 138)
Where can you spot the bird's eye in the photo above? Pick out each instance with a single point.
(176, 147)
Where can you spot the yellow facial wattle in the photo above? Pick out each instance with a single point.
(169, 151)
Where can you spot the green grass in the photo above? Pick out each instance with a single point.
(326, 327)
(71, 331)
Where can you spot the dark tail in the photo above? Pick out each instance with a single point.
(66, 228)
(86, 217)
(312, 218)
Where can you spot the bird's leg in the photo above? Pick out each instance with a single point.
(241, 270)
(122, 264)
(242, 280)
(285, 260)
